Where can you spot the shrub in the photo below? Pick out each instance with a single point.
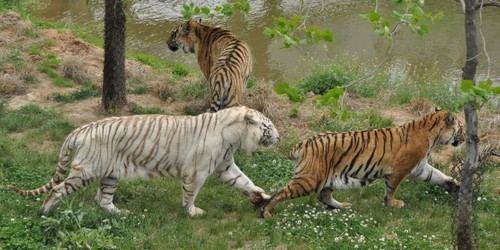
(323, 80)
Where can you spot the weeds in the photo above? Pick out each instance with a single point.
(323, 80)
(84, 92)
(139, 110)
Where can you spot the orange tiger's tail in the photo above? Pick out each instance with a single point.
(61, 170)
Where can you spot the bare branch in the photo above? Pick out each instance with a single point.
(484, 41)
(479, 4)
(482, 4)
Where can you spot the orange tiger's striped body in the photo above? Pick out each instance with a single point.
(332, 161)
(189, 148)
(225, 60)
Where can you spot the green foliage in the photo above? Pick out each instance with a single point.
(411, 15)
(190, 10)
(323, 80)
(292, 93)
(139, 110)
(195, 90)
(293, 32)
(479, 94)
(48, 65)
(85, 92)
(180, 69)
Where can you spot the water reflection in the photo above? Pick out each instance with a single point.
(149, 23)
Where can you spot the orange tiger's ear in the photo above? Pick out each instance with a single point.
(186, 27)
(449, 119)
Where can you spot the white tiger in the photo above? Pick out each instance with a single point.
(189, 148)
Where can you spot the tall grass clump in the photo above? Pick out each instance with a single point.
(85, 92)
(321, 80)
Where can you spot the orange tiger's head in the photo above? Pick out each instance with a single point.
(184, 36)
(452, 131)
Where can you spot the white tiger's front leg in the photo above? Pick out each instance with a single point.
(233, 176)
(426, 172)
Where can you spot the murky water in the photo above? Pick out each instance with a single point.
(150, 22)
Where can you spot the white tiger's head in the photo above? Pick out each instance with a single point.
(255, 130)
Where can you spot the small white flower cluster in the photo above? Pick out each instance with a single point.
(317, 223)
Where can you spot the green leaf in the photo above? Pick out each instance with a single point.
(418, 12)
(486, 85)
(227, 10)
(495, 90)
(374, 16)
(328, 35)
(439, 16)
(466, 86)
(205, 10)
(269, 33)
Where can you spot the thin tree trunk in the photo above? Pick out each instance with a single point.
(465, 210)
(114, 92)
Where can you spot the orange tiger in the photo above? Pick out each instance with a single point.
(330, 161)
(224, 59)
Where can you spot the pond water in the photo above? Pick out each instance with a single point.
(150, 21)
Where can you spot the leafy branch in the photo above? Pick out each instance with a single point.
(412, 15)
(479, 94)
(294, 32)
(227, 9)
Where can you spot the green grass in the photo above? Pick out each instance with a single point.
(196, 90)
(84, 92)
(326, 78)
(158, 221)
(178, 69)
(139, 110)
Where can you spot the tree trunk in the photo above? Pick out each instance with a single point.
(113, 89)
(465, 210)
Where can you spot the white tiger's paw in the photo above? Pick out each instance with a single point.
(259, 198)
(195, 211)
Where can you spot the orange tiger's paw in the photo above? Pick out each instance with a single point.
(266, 214)
(396, 203)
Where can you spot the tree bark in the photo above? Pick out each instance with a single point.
(113, 89)
(465, 211)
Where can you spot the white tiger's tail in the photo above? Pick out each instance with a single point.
(296, 152)
(61, 170)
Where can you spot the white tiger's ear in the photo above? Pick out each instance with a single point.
(251, 118)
